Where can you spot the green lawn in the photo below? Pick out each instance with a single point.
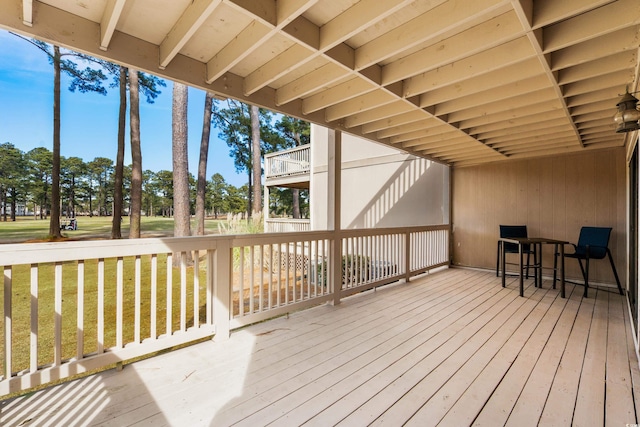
(28, 229)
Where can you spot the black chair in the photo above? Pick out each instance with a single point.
(593, 243)
(508, 231)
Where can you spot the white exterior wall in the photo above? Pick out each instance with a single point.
(381, 186)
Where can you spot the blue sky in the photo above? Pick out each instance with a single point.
(90, 121)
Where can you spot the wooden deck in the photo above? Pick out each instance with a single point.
(453, 348)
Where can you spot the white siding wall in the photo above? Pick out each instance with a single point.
(381, 186)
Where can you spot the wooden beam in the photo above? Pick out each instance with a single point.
(110, 18)
(490, 60)
(358, 17)
(395, 108)
(252, 36)
(492, 33)
(342, 92)
(365, 102)
(310, 82)
(444, 18)
(192, 18)
(614, 16)
(27, 12)
(500, 84)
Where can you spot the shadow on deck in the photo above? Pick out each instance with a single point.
(451, 348)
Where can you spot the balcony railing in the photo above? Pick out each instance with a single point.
(286, 225)
(69, 308)
(294, 161)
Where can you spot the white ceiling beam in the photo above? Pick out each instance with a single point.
(283, 63)
(527, 110)
(339, 93)
(496, 141)
(601, 47)
(499, 83)
(436, 131)
(429, 143)
(379, 113)
(27, 12)
(358, 104)
(413, 118)
(444, 18)
(191, 20)
(521, 124)
(597, 67)
(502, 105)
(489, 34)
(609, 94)
(510, 89)
(288, 10)
(494, 59)
(268, 19)
(110, 18)
(238, 49)
(617, 78)
(309, 83)
(416, 125)
(548, 12)
(510, 125)
(358, 17)
(606, 19)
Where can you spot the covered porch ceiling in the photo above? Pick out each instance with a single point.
(460, 82)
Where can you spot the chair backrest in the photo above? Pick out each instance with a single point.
(597, 238)
(513, 231)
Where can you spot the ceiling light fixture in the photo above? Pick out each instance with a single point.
(627, 118)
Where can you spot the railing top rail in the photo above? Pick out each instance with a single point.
(288, 150)
(295, 220)
(32, 253)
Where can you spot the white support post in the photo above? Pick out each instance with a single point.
(334, 148)
(222, 290)
(265, 207)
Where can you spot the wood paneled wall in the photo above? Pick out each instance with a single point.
(554, 197)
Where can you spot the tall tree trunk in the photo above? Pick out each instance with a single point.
(202, 164)
(136, 156)
(181, 223)
(116, 232)
(255, 159)
(54, 221)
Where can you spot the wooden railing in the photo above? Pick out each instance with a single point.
(289, 162)
(70, 308)
(286, 225)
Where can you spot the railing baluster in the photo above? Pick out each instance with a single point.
(100, 331)
(169, 302)
(80, 312)
(57, 334)
(241, 285)
(261, 284)
(196, 288)
(8, 319)
(252, 282)
(33, 347)
(183, 291)
(119, 301)
(137, 300)
(154, 297)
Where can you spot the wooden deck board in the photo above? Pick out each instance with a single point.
(451, 348)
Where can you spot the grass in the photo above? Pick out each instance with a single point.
(21, 304)
(28, 229)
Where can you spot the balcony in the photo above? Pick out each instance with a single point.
(449, 348)
(79, 306)
(288, 168)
